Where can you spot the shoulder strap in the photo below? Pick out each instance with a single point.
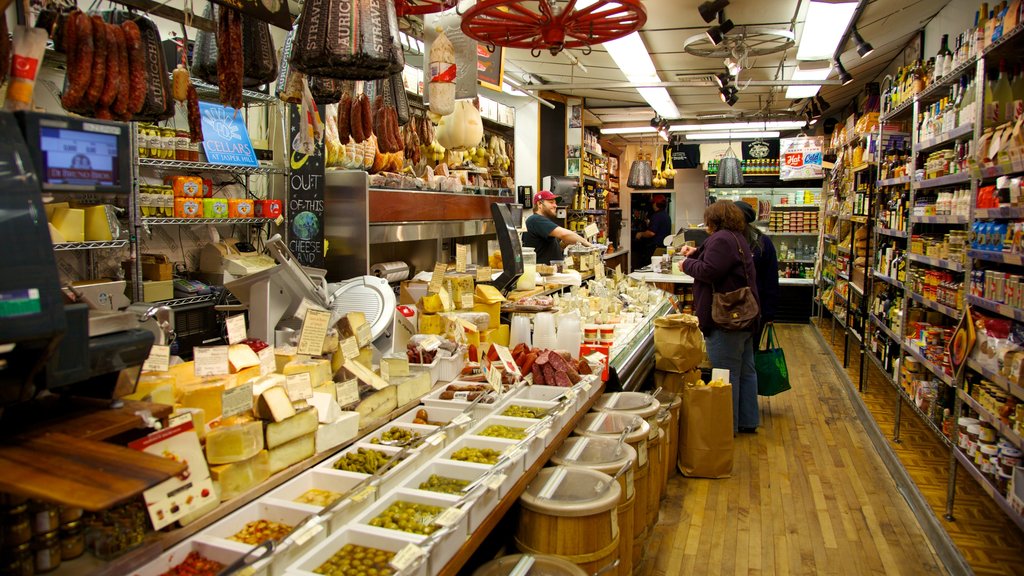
(743, 265)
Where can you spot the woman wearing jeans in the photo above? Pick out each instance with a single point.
(722, 264)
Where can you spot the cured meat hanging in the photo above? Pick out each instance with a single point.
(230, 57)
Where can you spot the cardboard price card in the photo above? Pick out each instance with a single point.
(185, 493)
(314, 330)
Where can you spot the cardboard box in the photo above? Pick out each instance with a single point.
(156, 290)
(157, 267)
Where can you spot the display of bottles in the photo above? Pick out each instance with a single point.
(893, 214)
(885, 257)
(751, 167)
(949, 112)
(895, 162)
(1002, 97)
(943, 59)
(861, 198)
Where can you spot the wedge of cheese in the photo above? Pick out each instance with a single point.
(327, 409)
(274, 405)
(52, 206)
(241, 356)
(98, 223)
(55, 236)
(394, 367)
(375, 404)
(349, 325)
(411, 388)
(205, 394)
(341, 430)
(198, 419)
(234, 442)
(237, 477)
(319, 370)
(262, 383)
(302, 423)
(284, 356)
(432, 304)
(70, 222)
(292, 453)
(431, 324)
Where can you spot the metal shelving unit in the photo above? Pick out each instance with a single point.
(153, 221)
(94, 245)
(182, 166)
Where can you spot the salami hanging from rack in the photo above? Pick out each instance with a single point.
(346, 40)
(230, 58)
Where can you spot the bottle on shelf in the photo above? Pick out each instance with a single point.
(1002, 97)
(944, 59)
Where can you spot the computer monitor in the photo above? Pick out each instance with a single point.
(506, 226)
(564, 187)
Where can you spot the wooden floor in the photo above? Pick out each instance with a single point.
(808, 495)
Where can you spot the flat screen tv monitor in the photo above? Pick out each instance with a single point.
(564, 187)
(77, 154)
(506, 225)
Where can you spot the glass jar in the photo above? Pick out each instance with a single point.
(17, 529)
(193, 150)
(70, 514)
(528, 281)
(170, 139)
(8, 499)
(181, 146)
(72, 540)
(47, 551)
(45, 517)
(18, 561)
(155, 142)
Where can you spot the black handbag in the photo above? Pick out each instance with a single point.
(738, 309)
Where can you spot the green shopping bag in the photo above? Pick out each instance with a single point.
(770, 363)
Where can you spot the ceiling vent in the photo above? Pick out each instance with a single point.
(696, 79)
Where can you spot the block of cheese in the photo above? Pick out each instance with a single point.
(70, 222)
(431, 324)
(396, 367)
(432, 304)
(334, 434)
(284, 356)
(205, 394)
(98, 223)
(374, 404)
(331, 342)
(319, 370)
(55, 236)
(198, 419)
(241, 356)
(366, 357)
(233, 442)
(292, 453)
(148, 381)
(302, 423)
(412, 387)
(488, 293)
(52, 206)
(273, 404)
(327, 388)
(348, 326)
(460, 286)
(237, 477)
(262, 383)
(337, 360)
(184, 372)
(326, 406)
(495, 336)
(492, 309)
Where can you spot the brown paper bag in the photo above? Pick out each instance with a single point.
(705, 432)
(674, 381)
(678, 343)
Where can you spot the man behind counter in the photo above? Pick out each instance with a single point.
(542, 234)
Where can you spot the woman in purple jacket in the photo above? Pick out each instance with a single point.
(723, 263)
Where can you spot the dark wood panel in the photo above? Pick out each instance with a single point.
(95, 420)
(412, 206)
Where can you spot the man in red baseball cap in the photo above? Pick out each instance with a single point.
(543, 234)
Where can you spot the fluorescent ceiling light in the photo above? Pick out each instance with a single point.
(770, 125)
(824, 27)
(630, 55)
(630, 130)
(733, 135)
(808, 71)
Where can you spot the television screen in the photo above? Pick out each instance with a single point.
(78, 158)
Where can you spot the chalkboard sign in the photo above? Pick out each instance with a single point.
(305, 200)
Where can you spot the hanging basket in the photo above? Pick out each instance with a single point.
(730, 172)
(641, 175)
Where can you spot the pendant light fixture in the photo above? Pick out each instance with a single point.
(844, 76)
(863, 48)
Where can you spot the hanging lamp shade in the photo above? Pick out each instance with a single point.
(730, 173)
(552, 25)
(641, 175)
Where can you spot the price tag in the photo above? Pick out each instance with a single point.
(461, 252)
(467, 301)
(350, 348)
(450, 517)
(483, 273)
(586, 385)
(642, 454)
(237, 400)
(299, 387)
(506, 358)
(495, 481)
(512, 452)
(437, 278)
(347, 392)
(570, 394)
(210, 360)
(159, 359)
(363, 335)
(590, 230)
(236, 328)
(494, 378)
(446, 300)
(314, 330)
(567, 262)
(462, 419)
(179, 418)
(544, 433)
(430, 343)
(307, 532)
(406, 556)
(363, 494)
(268, 364)
(436, 439)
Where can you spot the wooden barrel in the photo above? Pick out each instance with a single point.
(540, 562)
(637, 403)
(612, 424)
(570, 512)
(674, 402)
(607, 456)
(654, 479)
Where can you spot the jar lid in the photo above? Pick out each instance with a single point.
(990, 449)
(47, 538)
(533, 564)
(636, 402)
(1010, 452)
(967, 421)
(601, 454)
(613, 424)
(17, 510)
(571, 492)
(72, 526)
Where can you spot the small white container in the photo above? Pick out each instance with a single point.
(430, 448)
(282, 512)
(486, 499)
(533, 446)
(330, 480)
(434, 399)
(391, 478)
(446, 546)
(513, 468)
(360, 536)
(177, 555)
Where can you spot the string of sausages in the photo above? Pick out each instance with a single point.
(230, 57)
(359, 120)
(106, 74)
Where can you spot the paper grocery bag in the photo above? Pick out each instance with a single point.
(705, 432)
(674, 381)
(678, 343)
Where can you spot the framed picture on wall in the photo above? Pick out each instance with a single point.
(572, 151)
(573, 167)
(576, 118)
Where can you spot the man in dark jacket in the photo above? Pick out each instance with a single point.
(766, 263)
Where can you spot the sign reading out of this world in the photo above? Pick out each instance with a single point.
(225, 138)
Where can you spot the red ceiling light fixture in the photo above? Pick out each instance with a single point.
(553, 25)
(411, 7)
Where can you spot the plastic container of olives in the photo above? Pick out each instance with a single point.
(537, 406)
(514, 468)
(389, 541)
(515, 429)
(445, 546)
(396, 434)
(283, 513)
(389, 479)
(442, 416)
(332, 481)
(486, 499)
(174, 556)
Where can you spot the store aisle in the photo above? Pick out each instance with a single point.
(808, 495)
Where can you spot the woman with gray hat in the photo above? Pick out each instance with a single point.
(766, 263)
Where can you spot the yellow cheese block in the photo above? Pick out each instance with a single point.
(52, 206)
(241, 356)
(247, 374)
(394, 367)
(234, 443)
(333, 434)
(500, 335)
(492, 309)
(261, 384)
(431, 324)
(55, 236)
(237, 477)
(292, 453)
(70, 222)
(337, 360)
(366, 357)
(432, 304)
(184, 373)
(274, 404)
(331, 342)
(487, 293)
(284, 356)
(150, 380)
(300, 424)
(205, 394)
(198, 419)
(319, 370)
(411, 388)
(350, 323)
(97, 225)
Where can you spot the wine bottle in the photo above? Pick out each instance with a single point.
(1002, 98)
(944, 59)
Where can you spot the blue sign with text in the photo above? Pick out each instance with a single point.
(225, 137)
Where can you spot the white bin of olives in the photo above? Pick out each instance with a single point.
(438, 416)
(532, 409)
(362, 459)
(449, 477)
(414, 436)
(256, 523)
(517, 430)
(316, 489)
(353, 551)
(416, 513)
(486, 451)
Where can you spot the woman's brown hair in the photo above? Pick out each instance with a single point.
(724, 215)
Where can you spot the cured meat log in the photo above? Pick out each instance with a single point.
(230, 59)
(136, 66)
(344, 118)
(99, 63)
(78, 41)
(195, 123)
